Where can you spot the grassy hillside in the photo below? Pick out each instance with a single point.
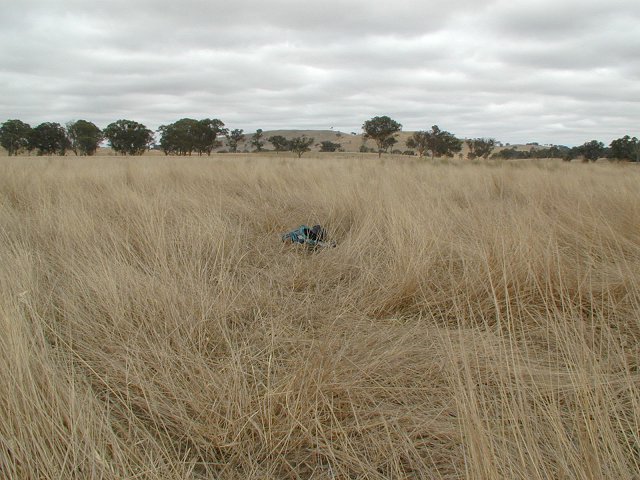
(474, 321)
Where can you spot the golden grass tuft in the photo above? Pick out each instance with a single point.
(475, 321)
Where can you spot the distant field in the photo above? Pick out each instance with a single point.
(476, 320)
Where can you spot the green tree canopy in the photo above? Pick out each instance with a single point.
(257, 141)
(182, 137)
(438, 142)
(329, 146)
(299, 145)
(380, 130)
(442, 143)
(84, 137)
(188, 135)
(419, 141)
(591, 150)
(128, 137)
(49, 138)
(208, 133)
(14, 136)
(280, 144)
(388, 143)
(626, 148)
(480, 147)
(234, 137)
(554, 151)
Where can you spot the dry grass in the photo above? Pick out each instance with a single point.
(475, 321)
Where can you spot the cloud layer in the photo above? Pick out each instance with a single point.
(517, 70)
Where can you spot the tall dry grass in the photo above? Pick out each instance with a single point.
(475, 321)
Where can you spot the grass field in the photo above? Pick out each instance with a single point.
(476, 320)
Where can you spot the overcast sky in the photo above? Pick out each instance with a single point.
(551, 71)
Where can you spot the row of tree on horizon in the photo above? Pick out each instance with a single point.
(188, 136)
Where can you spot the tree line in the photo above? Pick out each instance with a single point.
(127, 137)
(624, 148)
(440, 143)
(82, 137)
(188, 136)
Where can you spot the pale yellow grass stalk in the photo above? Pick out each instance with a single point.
(475, 321)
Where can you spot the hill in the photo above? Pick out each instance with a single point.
(351, 142)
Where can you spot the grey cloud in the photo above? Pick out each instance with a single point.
(526, 70)
(600, 49)
(549, 19)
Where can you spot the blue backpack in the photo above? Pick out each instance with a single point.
(313, 236)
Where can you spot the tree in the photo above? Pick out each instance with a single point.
(554, 151)
(480, 147)
(49, 138)
(574, 152)
(329, 146)
(280, 144)
(380, 129)
(208, 132)
(442, 143)
(388, 143)
(184, 137)
(14, 136)
(257, 141)
(626, 148)
(84, 137)
(172, 141)
(128, 137)
(233, 138)
(299, 145)
(419, 141)
(591, 150)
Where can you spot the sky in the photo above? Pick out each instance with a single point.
(547, 71)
